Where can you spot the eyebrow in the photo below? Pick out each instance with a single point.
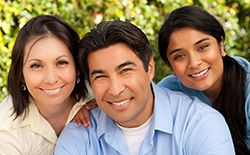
(97, 71)
(178, 49)
(100, 71)
(199, 41)
(62, 56)
(126, 63)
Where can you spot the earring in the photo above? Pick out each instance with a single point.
(23, 87)
(78, 80)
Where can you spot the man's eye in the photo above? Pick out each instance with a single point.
(100, 77)
(125, 70)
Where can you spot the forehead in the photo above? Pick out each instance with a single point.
(188, 34)
(45, 46)
(112, 56)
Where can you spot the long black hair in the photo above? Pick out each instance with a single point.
(231, 100)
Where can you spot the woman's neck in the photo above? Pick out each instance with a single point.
(57, 115)
(213, 92)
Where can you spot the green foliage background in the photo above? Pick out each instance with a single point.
(149, 15)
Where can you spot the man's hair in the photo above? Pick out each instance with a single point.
(110, 33)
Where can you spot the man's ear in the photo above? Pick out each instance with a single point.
(151, 68)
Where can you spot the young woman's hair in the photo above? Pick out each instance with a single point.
(231, 101)
(40, 26)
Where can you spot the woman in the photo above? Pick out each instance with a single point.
(191, 42)
(44, 85)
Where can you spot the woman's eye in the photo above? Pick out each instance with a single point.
(202, 47)
(35, 66)
(179, 57)
(62, 62)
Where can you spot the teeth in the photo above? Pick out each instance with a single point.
(52, 91)
(121, 103)
(200, 74)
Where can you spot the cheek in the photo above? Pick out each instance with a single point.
(98, 91)
(178, 69)
(68, 75)
(32, 80)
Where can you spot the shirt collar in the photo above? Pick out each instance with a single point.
(162, 119)
(38, 124)
(162, 116)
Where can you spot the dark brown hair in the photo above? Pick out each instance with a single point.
(37, 27)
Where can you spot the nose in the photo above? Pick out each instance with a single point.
(194, 60)
(116, 86)
(51, 76)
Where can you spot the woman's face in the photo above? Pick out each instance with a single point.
(196, 59)
(49, 71)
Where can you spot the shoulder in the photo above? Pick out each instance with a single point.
(191, 119)
(243, 62)
(181, 104)
(71, 140)
(6, 113)
(74, 138)
(170, 82)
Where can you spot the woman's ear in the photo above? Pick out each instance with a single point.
(221, 46)
(77, 72)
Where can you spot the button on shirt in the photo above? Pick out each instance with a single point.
(180, 126)
(30, 136)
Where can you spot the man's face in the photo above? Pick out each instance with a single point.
(121, 85)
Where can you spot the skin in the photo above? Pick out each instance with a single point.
(197, 60)
(50, 75)
(122, 86)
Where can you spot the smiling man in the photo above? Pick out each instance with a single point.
(135, 116)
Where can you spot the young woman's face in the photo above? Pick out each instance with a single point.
(49, 71)
(196, 59)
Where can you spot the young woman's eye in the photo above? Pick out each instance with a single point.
(62, 62)
(35, 66)
(201, 48)
(179, 57)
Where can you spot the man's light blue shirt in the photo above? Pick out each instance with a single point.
(173, 83)
(180, 126)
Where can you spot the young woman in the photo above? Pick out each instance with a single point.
(44, 85)
(191, 42)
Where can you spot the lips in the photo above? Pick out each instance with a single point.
(199, 74)
(52, 91)
(121, 104)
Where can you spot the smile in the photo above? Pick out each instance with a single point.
(121, 103)
(52, 91)
(200, 73)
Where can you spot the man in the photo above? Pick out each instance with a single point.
(135, 116)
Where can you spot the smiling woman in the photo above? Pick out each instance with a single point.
(44, 86)
(191, 41)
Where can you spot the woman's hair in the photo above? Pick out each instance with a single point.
(231, 101)
(40, 26)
